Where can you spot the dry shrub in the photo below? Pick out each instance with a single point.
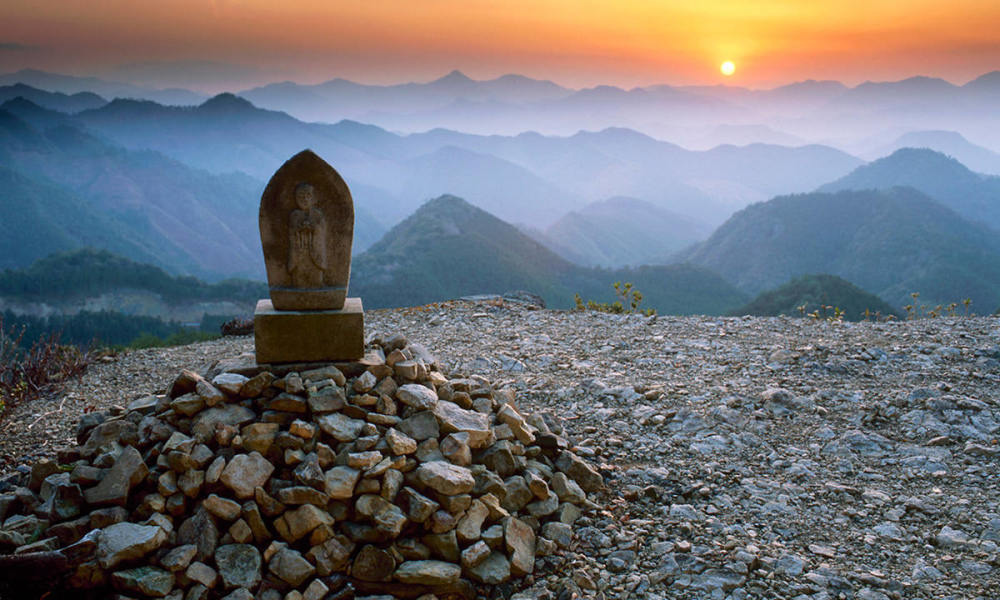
(237, 326)
(28, 373)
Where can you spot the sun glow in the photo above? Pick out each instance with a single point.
(728, 68)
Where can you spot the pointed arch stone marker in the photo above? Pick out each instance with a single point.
(306, 231)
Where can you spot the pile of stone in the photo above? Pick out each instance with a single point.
(377, 477)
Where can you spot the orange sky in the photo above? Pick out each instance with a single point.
(233, 43)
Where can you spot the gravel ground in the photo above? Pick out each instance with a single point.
(745, 457)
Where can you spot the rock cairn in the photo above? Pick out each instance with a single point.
(377, 477)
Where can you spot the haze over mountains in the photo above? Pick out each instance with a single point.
(557, 211)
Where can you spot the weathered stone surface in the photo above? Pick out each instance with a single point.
(126, 541)
(63, 500)
(446, 478)
(492, 571)
(373, 564)
(560, 533)
(239, 565)
(105, 436)
(327, 399)
(199, 530)
(224, 508)
(308, 335)
(179, 557)
(417, 396)
(520, 542)
(296, 524)
(237, 594)
(290, 566)
(417, 506)
(470, 526)
(363, 460)
(148, 581)
(306, 230)
(331, 556)
(341, 427)
(301, 494)
(246, 472)
(567, 489)
(421, 426)
(453, 418)
(340, 481)
(455, 447)
(475, 554)
(206, 421)
(400, 443)
(581, 472)
(287, 402)
(209, 393)
(258, 437)
(230, 383)
(127, 472)
(201, 573)
(427, 572)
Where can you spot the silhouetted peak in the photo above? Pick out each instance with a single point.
(917, 84)
(446, 203)
(226, 102)
(453, 78)
(989, 80)
(21, 103)
(22, 87)
(925, 156)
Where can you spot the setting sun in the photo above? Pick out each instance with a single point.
(728, 68)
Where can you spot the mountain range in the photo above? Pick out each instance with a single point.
(812, 110)
(972, 195)
(858, 119)
(449, 248)
(177, 186)
(620, 231)
(525, 178)
(84, 191)
(889, 242)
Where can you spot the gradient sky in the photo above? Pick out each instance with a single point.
(233, 44)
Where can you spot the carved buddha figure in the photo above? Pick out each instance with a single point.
(306, 240)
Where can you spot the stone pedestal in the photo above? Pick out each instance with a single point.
(283, 336)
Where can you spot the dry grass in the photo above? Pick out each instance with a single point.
(29, 373)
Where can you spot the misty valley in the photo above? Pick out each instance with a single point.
(708, 200)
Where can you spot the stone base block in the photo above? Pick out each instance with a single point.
(284, 336)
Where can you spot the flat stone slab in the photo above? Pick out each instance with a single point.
(286, 336)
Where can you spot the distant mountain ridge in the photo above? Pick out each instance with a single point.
(69, 84)
(622, 232)
(811, 111)
(449, 248)
(890, 242)
(84, 192)
(395, 173)
(57, 101)
(976, 197)
(951, 143)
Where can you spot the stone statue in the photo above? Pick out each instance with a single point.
(306, 240)
(306, 231)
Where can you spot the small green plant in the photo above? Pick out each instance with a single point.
(825, 312)
(628, 302)
(923, 311)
